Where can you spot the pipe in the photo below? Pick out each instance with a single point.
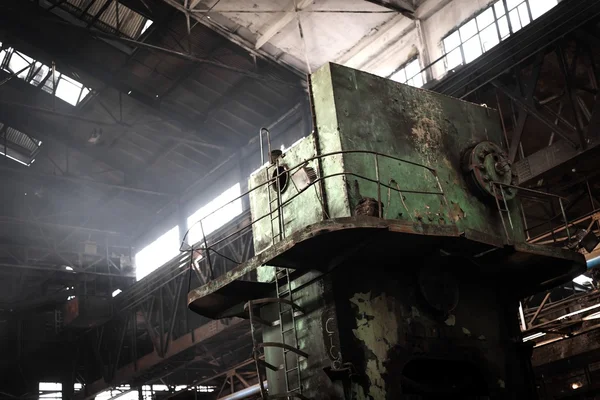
(244, 393)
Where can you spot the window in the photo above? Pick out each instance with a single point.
(18, 146)
(157, 253)
(50, 390)
(124, 392)
(36, 74)
(410, 73)
(107, 15)
(486, 30)
(218, 218)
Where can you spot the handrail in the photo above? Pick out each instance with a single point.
(500, 186)
(301, 164)
(496, 186)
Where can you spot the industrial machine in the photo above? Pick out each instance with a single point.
(390, 253)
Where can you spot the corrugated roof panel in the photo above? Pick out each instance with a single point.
(130, 22)
(20, 139)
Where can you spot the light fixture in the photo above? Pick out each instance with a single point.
(116, 292)
(534, 336)
(68, 268)
(576, 385)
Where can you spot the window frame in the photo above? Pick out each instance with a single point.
(496, 22)
(403, 66)
(8, 52)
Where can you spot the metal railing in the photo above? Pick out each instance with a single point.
(530, 194)
(274, 180)
(502, 202)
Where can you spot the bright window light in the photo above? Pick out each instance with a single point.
(124, 392)
(410, 74)
(583, 280)
(50, 390)
(534, 336)
(19, 61)
(220, 216)
(67, 89)
(147, 25)
(116, 292)
(77, 386)
(157, 253)
(484, 31)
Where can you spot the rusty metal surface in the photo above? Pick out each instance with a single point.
(324, 245)
(226, 302)
(201, 335)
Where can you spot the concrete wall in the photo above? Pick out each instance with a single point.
(397, 41)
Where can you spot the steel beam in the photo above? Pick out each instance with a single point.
(274, 26)
(236, 39)
(83, 181)
(531, 110)
(128, 372)
(402, 6)
(536, 164)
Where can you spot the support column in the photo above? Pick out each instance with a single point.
(182, 223)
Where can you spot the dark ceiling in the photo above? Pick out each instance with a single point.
(167, 106)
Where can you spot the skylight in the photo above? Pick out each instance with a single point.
(18, 146)
(37, 73)
(107, 15)
(219, 218)
(157, 253)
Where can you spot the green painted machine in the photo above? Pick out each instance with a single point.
(390, 252)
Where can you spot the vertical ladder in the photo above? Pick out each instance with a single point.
(285, 306)
(503, 211)
(284, 292)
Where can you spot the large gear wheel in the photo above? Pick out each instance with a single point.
(487, 164)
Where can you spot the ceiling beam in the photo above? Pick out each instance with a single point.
(275, 25)
(64, 51)
(537, 164)
(74, 179)
(126, 373)
(234, 38)
(402, 6)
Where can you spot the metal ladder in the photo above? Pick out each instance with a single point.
(284, 292)
(277, 200)
(286, 306)
(504, 210)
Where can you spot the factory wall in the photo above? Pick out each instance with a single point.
(400, 40)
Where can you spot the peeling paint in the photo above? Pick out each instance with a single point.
(377, 330)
